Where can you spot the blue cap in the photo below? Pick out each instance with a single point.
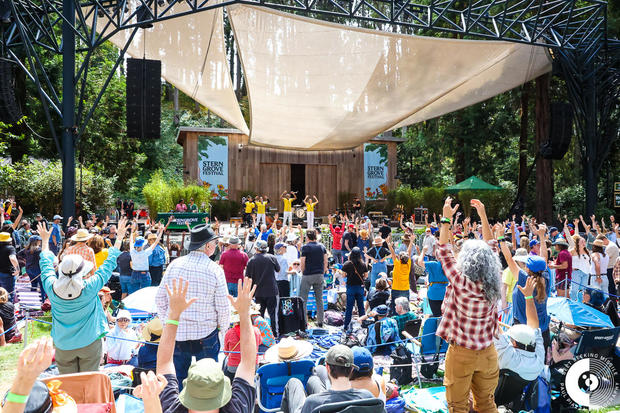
(279, 245)
(535, 263)
(534, 242)
(362, 359)
(139, 242)
(552, 229)
(382, 309)
(571, 225)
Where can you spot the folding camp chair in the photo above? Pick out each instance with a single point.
(510, 390)
(311, 305)
(271, 379)
(601, 341)
(428, 349)
(373, 405)
(92, 388)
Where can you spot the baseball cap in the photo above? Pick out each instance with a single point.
(534, 242)
(261, 245)
(339, 355)
(552, 229)
(362, 358)
(535, 263)
(279, 245)
(382, 309)
(522, 333)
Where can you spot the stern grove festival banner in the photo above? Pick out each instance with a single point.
(213, 164)
(375, 171)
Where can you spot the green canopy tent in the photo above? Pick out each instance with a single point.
(473, 183)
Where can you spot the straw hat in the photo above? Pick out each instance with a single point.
(560, 241)
(81, 235)
(5, 237)
(377, 241)
(288, 349)
(152, 330)
(596, 243)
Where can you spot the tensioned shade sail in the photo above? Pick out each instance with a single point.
(318, 85)
(473, 183)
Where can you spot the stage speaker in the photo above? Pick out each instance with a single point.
(560, 131)
(10, 111)
(143, 98)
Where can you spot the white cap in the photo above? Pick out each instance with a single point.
(522, 333)
(123, 314)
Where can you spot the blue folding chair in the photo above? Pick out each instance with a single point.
(430, 346)
(311, 305)
(271, 379)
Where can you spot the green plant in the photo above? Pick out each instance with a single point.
(433, 198)
(223, 209)
(162, 195)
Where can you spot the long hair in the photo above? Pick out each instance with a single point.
(479, 263)
(355, 256)
(96, 243)
(541, 287)
(577, 238)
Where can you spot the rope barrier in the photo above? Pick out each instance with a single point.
(8, 329)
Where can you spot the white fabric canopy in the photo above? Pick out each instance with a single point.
(317, 85)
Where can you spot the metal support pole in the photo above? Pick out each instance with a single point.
(68, 109)
(26, 331)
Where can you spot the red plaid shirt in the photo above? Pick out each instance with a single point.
(469, 320)
(85, 252)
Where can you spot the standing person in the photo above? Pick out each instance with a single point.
(8, 330)
(314, 267)
(206, 388)
(429, 244)
(78, 319)
(233, 261)
(437, 283)
(349, 240)
(356, 272)
(377, 256)
(197, 335)
(261, 210)
(611, 251)
(56, 239)
(385, 230)
(98, 246)
(262, 269)
(363, 243)
(288, 207)
(563, 267)
(284, 285)
(400, 275)
(336, 241)
(357, 208)
(157, 259)
(469, 321)
(181, 206)
(79, 247)
(31, 256)
(124, 268)
(140, 277)
(598, 270)
(192, 207)
(247, 211)
(581, 266)
(310, 210)
(9, 267)
(24, 232)
(130, 209)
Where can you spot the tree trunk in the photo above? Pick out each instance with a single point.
(175, 99)
(525, 100)
(544, 167)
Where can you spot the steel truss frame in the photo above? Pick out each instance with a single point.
(576, 33)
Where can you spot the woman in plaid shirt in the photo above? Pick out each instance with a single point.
(469, 321)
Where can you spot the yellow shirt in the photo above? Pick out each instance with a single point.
(510, 281)
(400, 275)
(100, 257)
(310, 206)
(249, 206)
(287, 204)
(260, 207)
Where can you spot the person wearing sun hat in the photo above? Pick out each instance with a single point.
(9, 267)
(206, 388)
(598, 270)
(151, 333)
(339, 363)
(377, 256)
(78, 320)
(563, 267)
(78, 247)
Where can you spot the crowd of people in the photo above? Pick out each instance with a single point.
(241, 291)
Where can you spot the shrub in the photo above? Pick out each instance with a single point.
(433, 199)
(161, 195)
(223, 209)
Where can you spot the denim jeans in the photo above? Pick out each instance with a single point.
(35, 281)
(578, 285)
(232, 289)
(337, 254)
(139, 280)
(355, 294)
(125, 281)
(7, 281)
(207, 347)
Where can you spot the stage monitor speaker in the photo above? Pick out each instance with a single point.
(143, 98)
(10, 111)
(560, 131)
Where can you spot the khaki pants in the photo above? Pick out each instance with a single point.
(473, 370)
(81, 359)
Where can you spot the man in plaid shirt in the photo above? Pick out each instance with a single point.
(470, 321)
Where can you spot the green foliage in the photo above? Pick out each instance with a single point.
(37, 186)
(161, 195)
(433, 198)
(223, 209)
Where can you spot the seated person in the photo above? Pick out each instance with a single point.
(403, 313)
(147, 355)
(122, 351)
(521, 348)
(436, 281)
(379, 296)
(384, 330)
(339, 365)
(264, 327)
(206, 388)
(8, 332)
(232, 341)
(362, 376)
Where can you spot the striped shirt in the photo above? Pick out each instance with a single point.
(85, 252)
(208, 284)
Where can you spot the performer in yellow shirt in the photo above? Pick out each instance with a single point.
(247, 212)
(288, 206)
(260, 211)
(310, 210)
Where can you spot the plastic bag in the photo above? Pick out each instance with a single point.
(63, 403)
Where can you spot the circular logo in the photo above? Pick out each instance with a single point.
(590, 382)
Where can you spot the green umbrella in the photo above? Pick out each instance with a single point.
(473, 183)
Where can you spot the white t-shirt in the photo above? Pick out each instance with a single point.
(611, 250)
(291, 254)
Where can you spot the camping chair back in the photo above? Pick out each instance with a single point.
(429, 338)
(271, 379)
(413, 327)
(601, 341)
(87, 388)
(509, 390)
(373, 405)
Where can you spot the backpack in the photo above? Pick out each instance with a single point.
(402, 374)
(334, 318)
(355, 336)
(384, 331)
(430, 363)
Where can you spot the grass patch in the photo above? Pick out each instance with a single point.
(10, 353)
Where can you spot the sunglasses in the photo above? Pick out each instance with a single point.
(122, 320)
(296, 265)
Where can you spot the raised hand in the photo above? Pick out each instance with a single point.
(528, 289)
(448, 210)
(44, 233)
(244, 297)
(177, 297)
(476, 203)
(150, 388)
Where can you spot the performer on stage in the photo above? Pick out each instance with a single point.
(260, 210)
(288, 207)
(310, 209)
(247, 215)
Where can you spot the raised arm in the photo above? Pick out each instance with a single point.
(248, 348)
(542, 236)
(569, 239)
(316, 200)
(486, 228)
(530, 308)
(514, 268)
(19, 219)
(445, 233)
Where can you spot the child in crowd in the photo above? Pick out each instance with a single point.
(266, 333)
(232, 341)
(295, 272)
(122, 351)
(124, 268)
